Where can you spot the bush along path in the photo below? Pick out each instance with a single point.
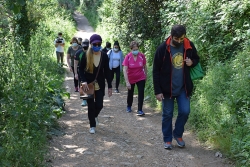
(121, 138)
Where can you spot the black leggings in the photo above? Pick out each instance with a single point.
(140, 87)
(117, 72)
(95, 105)
(75, 80)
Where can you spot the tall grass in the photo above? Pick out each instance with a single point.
(31, 95)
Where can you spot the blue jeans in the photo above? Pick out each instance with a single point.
(167, 114)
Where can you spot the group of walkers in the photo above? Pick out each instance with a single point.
(173, 60)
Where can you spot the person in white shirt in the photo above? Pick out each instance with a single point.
(115, 63)
(59, 44)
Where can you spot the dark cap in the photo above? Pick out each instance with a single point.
(95, 38)
(116, 43)
(59, 33)
(85, 42)
(108, 44)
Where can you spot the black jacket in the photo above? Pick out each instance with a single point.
(162, 68)
(104, 72)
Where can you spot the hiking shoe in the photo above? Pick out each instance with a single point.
(92, 130)
(168, 145)
(129, 109)
(96, 121)
(84, 103)
(116, 91)
(180, 142)
(140, 113)
(76, 89)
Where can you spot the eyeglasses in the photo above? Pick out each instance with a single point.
(96, 44)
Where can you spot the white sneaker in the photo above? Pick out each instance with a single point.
(96, 121)
(92, 130)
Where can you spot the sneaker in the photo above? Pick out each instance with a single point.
(84, 103)
(116, 91)
(96, 121)
(92, 130)
(168, 145)
(140, 113)
(76, 89)
(129, 109)
(180, 142)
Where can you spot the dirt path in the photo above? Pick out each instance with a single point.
(121, 139)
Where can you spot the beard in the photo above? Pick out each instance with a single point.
(177, 44)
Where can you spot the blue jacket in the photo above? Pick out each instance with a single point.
(110, 55)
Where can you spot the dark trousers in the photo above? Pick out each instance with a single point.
(140, 87)
(75, 80)
(95, 105)
(59, 56)
(116, 71)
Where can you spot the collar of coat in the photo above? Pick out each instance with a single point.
(186, 43)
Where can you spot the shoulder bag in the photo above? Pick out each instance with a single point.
(90, 94)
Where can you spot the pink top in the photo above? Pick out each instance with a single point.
(135, 68)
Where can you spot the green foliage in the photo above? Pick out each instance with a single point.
(31, 97)
(222, 100)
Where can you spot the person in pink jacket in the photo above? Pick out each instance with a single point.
(135, 72)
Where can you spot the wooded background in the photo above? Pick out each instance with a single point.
(31, 94)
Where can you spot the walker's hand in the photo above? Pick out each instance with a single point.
(85, 86)
(188, 61)
(159, 97)
(128, 86)
(110, 92)
(76, 76)
(70, 69)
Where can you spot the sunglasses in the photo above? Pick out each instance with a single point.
(96, 44)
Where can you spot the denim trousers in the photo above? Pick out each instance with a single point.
(183, 103)
(59, 56)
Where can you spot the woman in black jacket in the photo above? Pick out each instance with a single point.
(88, 69)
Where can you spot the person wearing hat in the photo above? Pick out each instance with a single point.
(59, 44)
(115, 63)
(107, 47)
(95, 62)
(79, 40)
(85, 46)
(70, 58)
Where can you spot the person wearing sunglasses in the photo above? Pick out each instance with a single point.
(115, 63)
(95, 62)
(135, 73)
(85, 46)
(70, 58)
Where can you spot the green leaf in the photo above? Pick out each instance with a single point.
(16, 9)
